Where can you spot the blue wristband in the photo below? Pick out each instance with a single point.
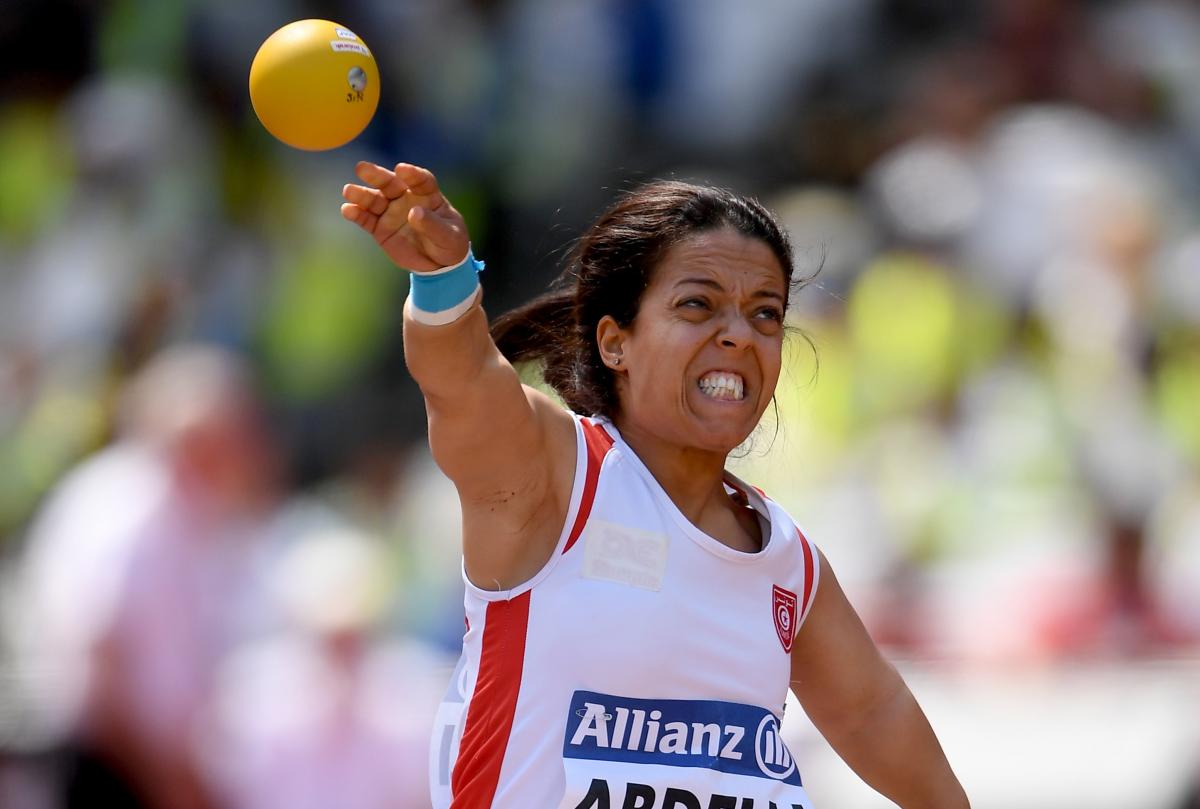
(439, 296)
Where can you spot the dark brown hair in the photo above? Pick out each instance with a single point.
(607, 273)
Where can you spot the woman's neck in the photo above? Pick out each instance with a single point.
(693, 478)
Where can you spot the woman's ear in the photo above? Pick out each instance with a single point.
(610, 339)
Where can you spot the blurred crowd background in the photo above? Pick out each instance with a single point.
(229, 572)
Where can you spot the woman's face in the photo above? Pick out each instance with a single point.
(699, 363)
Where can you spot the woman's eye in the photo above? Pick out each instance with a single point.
(694, 303)
(770, 313)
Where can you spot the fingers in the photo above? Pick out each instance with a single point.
(407, 214)
(369, 199)
(377, 176)
(388, 214)
(420, 180)
(356, 214)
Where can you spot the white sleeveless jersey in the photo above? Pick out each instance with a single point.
(644, 667)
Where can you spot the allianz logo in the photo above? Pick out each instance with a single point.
(774, 759)
(642, 731)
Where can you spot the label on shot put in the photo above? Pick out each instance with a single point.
(343, 47)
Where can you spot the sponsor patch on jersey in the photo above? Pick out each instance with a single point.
(625, 555)
(725, 736)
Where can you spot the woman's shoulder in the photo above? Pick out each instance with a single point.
(761, 501)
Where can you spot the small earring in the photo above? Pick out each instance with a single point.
(616, 360)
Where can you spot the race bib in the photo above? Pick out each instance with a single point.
(624, 753)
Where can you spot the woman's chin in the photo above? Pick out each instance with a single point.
(723, 438)
(723, 428)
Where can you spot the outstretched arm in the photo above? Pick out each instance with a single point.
(862, 707)
(508, 449)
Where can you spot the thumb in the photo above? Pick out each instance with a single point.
(443, 242)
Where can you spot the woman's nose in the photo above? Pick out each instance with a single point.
(735, 332)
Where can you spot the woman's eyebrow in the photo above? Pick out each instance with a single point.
(706, 282)
(716, 285)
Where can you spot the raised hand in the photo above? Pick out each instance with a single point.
(406, 213)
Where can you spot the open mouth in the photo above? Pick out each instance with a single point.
(723, 385)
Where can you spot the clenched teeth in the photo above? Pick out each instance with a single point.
(727, 386)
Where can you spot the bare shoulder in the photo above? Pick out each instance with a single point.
(511, 529)
(561, 444)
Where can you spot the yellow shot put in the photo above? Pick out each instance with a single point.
(314, 84)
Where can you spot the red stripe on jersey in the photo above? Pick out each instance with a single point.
(808, 573)
(598, 442)
(742, 492)
(493, 704)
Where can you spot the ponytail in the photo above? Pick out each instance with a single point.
(547, 330)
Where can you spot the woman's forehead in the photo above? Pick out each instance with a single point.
(726, 256)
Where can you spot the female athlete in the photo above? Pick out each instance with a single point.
(635, 614)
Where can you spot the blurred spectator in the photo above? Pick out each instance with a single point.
(1112, 613)
(326, 712)
(141, 576)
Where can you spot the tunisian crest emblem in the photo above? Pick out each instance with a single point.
(783, 606)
